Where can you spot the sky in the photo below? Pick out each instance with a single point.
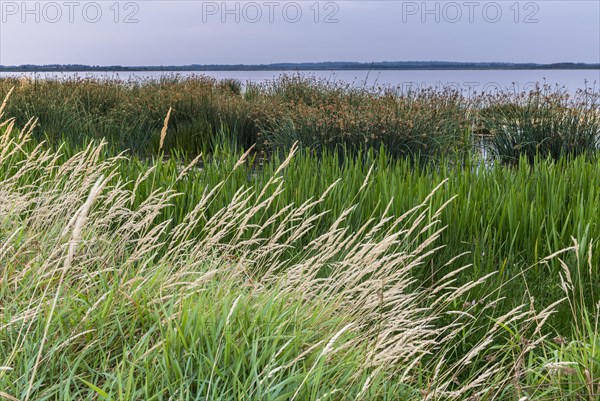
(172, 32)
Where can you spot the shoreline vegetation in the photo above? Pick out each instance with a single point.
(333, 66)
(422, 125)
(179, 238)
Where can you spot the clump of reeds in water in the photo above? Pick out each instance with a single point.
(421, 126)
(546, 122)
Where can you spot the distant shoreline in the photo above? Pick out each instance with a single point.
(298, 67)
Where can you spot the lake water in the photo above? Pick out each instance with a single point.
(468, 82)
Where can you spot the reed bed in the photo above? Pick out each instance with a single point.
(424, 126)
(102, 298)
(129, 115)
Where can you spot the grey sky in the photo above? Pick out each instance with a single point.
(202, 32)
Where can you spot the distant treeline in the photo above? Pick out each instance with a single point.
(386, 65)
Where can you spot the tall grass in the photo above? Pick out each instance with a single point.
(129, 115)
(418, 126)
(544, 122)
(320, 115)
(357, 274)
(505, 218)
(103, 299)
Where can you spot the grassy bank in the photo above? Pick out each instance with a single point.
(343, 275)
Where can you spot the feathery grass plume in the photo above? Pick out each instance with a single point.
(163, 131)
(190, 166)
(8, 396)
(243, 158)
(80, 220)
(5, 101)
